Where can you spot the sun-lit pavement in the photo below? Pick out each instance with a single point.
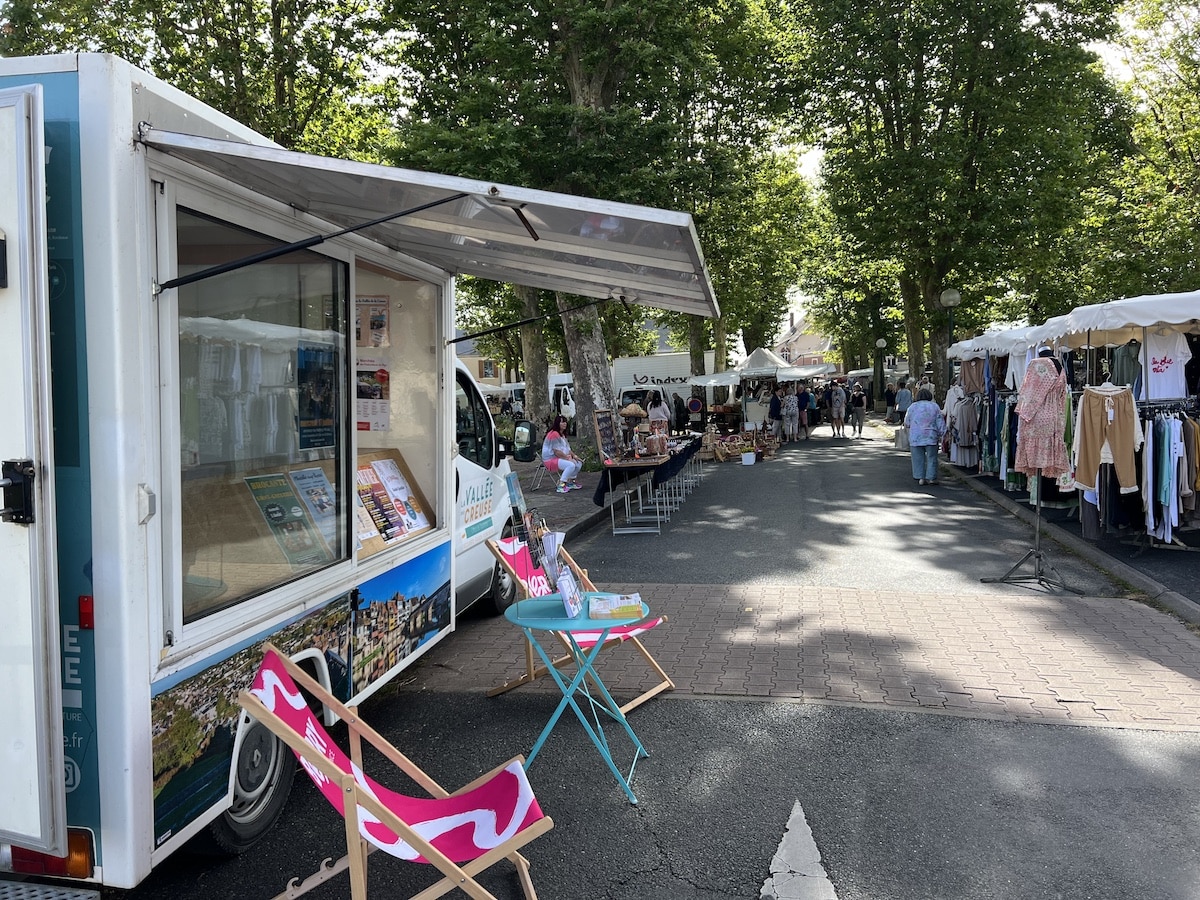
(1011, 653)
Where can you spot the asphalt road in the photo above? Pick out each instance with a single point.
(902, 805)
(828, 512)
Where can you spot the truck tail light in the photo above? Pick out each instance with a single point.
(78, 863)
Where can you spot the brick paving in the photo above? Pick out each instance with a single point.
(1034, 658)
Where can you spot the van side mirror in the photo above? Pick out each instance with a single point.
(524, 446)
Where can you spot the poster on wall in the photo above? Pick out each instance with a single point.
(398, 612)
(372, 327)
(316, 383)
(289, 523)
(373, 394)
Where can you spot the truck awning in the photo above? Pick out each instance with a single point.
(558, 242)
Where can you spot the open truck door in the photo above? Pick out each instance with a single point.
(33, 789)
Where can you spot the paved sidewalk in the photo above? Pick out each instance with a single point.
(1011, 655)
(1041, 658)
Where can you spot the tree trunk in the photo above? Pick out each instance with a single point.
(695, 326)
(589, 364)
(720, 354)
(914, 330)
(533, 353)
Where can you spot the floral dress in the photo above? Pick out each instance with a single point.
(1041, 404)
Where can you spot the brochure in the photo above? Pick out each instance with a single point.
(572, 599)
(551, 541)
(615, 606)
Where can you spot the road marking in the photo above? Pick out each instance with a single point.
(796, 870)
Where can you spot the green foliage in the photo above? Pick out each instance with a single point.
(306, 73)
(959, 138)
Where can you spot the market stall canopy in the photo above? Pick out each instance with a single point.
(1120, 321)
(762, 363)
(728, 378)
(996, 343)
(558, 242)
(800, 373)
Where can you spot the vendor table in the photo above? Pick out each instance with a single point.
(547, 614)
(652, 489)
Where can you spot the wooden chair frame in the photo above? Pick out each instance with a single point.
(357, 794)
(534, 670)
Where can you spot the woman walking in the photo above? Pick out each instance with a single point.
(925, 429)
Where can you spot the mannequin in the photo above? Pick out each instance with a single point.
(1047, 353)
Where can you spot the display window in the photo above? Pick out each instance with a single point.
(301, 414)
(262, 421)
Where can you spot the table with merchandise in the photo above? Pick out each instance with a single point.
(585, 634)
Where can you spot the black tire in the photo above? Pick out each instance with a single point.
(263, 777)
(504, 586)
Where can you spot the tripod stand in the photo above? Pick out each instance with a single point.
(1043, 572)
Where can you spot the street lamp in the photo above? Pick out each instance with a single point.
(880, 346)
(949, 299)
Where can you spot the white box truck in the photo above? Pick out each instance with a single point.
(232, 413)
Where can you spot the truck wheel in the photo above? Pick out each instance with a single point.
(504, 586)
(262, 782)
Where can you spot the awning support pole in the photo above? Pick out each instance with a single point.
(245, 261)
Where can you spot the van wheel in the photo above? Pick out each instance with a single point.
(262, 782)
(504, 586)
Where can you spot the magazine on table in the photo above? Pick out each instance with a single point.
(615, 606)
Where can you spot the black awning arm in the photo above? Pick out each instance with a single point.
(304, 244)
(518, 324)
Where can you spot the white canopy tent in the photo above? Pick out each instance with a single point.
(762, 363)
(1120, 321)
(802, 373)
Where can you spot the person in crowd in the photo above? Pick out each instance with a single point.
(889, 403)
(925, 429)
(558, 457)
(681, 413)
(837, 410)
(904, 399)
(506, 408)
(858, 409)
(804, 399)
(814, 414)
(791, 415)
(775, 411)
(827, 401)
(660, 412)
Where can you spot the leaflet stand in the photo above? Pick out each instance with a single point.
(1043, 572)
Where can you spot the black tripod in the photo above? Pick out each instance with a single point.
(1043, 572)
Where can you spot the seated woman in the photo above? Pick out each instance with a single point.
(557, 456)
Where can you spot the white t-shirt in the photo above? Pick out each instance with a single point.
(1165, 355)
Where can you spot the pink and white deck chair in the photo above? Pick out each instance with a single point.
(513, 554)
(459, 834)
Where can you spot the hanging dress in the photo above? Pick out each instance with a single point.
(1040, 407)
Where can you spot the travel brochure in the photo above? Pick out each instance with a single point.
(569, 589)
(389, 501)
(615, 606)
(288, 522)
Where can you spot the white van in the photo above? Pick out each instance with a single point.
(482, 506)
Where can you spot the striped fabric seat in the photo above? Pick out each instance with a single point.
(513, 554)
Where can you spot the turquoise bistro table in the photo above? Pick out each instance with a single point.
(547, 614)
